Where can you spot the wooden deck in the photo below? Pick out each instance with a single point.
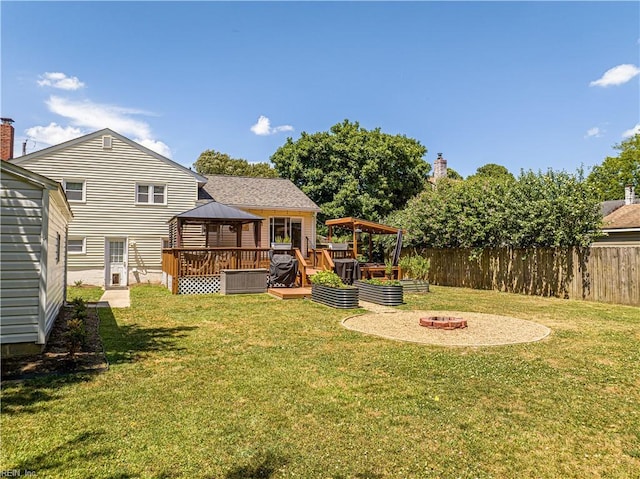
(290, 293)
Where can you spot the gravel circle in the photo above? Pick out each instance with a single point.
(482, 330)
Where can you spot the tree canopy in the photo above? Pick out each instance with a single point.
(616, 172)
(552, 209)
(351, 171)
(211, 162)
(492, 170)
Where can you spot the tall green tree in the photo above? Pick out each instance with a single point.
(616, 172)
(493, 170)
(351, 171)
(211, 162)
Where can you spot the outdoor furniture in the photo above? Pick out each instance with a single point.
(348, 270)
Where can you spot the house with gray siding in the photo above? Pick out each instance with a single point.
(34, 218)
(122, 196)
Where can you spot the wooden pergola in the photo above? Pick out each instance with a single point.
(358, 226)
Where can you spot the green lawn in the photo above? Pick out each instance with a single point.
(88, 293)
(253, 387)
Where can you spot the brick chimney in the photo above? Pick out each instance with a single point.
(439, 167)
(629, 195)
(6, 139)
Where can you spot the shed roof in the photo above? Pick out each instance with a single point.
(217, 211)
(625, 217)
(250, 192)
(364, 225)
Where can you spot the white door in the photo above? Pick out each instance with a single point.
(116, 262)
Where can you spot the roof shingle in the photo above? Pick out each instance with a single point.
(249, 192)
(627, 216)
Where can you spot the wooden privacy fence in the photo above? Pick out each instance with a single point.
(608, 274)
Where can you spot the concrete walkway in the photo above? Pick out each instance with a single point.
(115, 298)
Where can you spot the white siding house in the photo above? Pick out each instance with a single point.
(34, 219)
(122, 196)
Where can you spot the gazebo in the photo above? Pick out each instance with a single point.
(206, 240)
(215, 214)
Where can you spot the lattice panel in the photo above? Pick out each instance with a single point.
(199, 285)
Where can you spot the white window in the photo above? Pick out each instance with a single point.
(75, 190)
(151, 194)
(76, 245)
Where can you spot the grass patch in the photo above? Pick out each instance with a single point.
(250, 386)
(87, 293)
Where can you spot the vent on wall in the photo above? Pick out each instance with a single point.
(106, 142)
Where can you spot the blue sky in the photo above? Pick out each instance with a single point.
(528, 85)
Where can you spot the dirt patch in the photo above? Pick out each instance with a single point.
(481, 330)
(55, 358)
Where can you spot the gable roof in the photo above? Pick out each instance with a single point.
(609, 206)
(250, 192)
(625, 217)
(107, 131)
(217, 211)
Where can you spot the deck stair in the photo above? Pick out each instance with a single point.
(290, 293)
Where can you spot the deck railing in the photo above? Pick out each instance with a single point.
(181, 262)
(317, 255)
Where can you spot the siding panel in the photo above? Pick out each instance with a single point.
(20, 226)
(110, 209)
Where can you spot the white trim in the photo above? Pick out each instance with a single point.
(44, 256)
(84, 189)
(150, 193)
(76, 238)
(620, 230)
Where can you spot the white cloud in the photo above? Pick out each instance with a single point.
(60, 80)
(155, 145)
(86, 116)
(263, 127)
(53, 133)
(617, 75)
(594, 132)
(632, 131)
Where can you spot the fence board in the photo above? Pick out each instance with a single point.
(607, 274)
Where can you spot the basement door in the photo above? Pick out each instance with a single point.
(116, 273)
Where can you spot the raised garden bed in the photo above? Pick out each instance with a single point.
(342, 298)
(414, 286)
(383, 294)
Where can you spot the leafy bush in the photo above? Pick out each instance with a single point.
(415, 267)
(382, 282)
(76, 335)
(327, 278)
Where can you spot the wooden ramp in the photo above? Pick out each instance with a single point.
(290, 293)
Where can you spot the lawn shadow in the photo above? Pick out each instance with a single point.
(261, 466)
(27, 397)
(59, 457)
(125, 343)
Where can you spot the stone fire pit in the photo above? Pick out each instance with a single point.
(443, 322)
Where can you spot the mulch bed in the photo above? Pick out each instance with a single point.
(55, 359)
